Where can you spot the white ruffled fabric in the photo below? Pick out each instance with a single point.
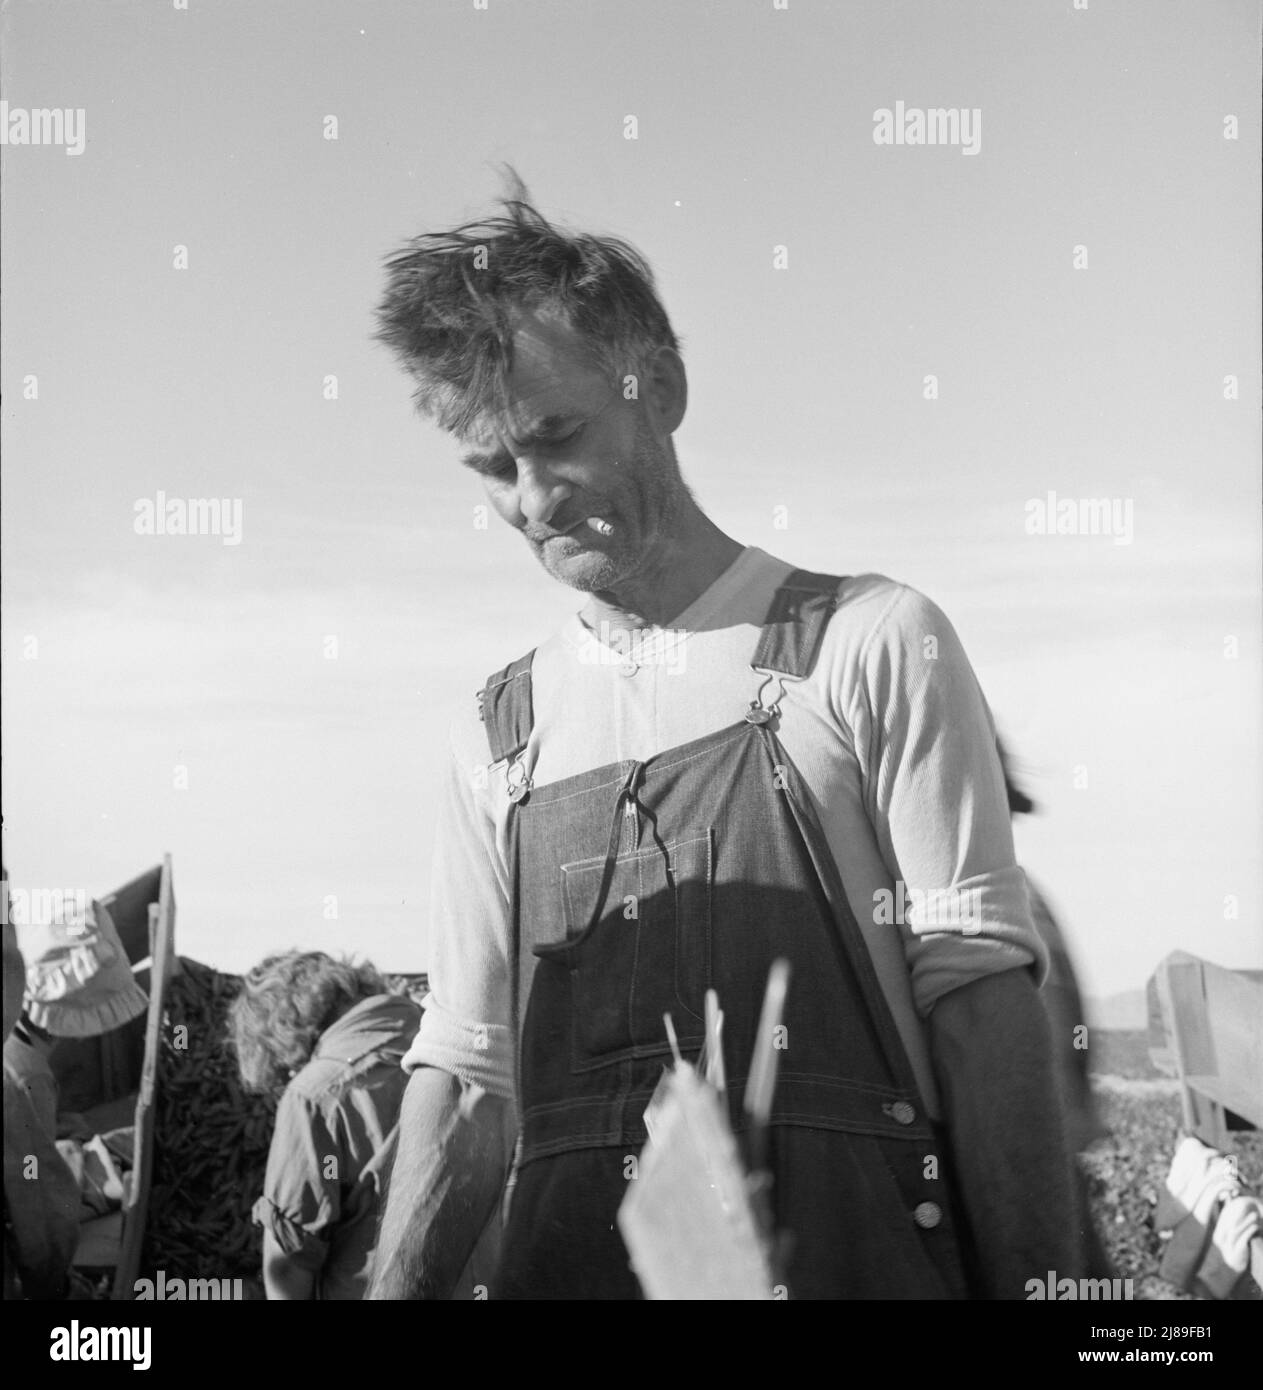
(78, 979)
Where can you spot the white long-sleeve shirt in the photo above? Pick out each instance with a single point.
(890, 733)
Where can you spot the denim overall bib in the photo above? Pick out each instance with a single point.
(637, 887)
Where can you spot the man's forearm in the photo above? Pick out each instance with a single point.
(447, 1177)
(993, 1060)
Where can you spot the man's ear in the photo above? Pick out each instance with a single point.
(665, 392)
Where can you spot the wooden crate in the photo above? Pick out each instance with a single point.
(1210, 1027)
(97, 1076)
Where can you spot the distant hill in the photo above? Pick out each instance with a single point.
(1123, 1012)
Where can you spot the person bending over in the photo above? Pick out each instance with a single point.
(329, 1036)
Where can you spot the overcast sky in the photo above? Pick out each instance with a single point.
(1081, 287)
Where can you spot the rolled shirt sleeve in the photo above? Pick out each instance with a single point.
(936, 799)
(465, 1027)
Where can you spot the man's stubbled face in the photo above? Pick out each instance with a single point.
(569, 447)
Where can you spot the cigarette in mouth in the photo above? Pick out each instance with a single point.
(600, 526)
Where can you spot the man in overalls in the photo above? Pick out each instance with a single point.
(719, 761)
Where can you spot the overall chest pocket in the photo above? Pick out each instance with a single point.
(638, 946)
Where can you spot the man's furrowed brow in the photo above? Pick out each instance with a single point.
(542, 431)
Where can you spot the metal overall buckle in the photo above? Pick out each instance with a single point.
(516, 779)
(759, 712)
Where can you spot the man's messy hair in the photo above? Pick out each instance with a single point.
(446, 313)
(286, 1002)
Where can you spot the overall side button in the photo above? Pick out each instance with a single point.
(927, 1215)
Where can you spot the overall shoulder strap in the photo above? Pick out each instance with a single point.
(795, 623)
(504, 706)
(788, 646)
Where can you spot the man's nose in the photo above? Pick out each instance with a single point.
(540, 492)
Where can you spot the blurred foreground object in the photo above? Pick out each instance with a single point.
(695, 1222)
(1067, 1020)
(687, 1218)
(1062, 1000)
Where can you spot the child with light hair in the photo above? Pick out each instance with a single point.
(330, 1037)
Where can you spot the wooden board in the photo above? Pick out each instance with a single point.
(136, 1206)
